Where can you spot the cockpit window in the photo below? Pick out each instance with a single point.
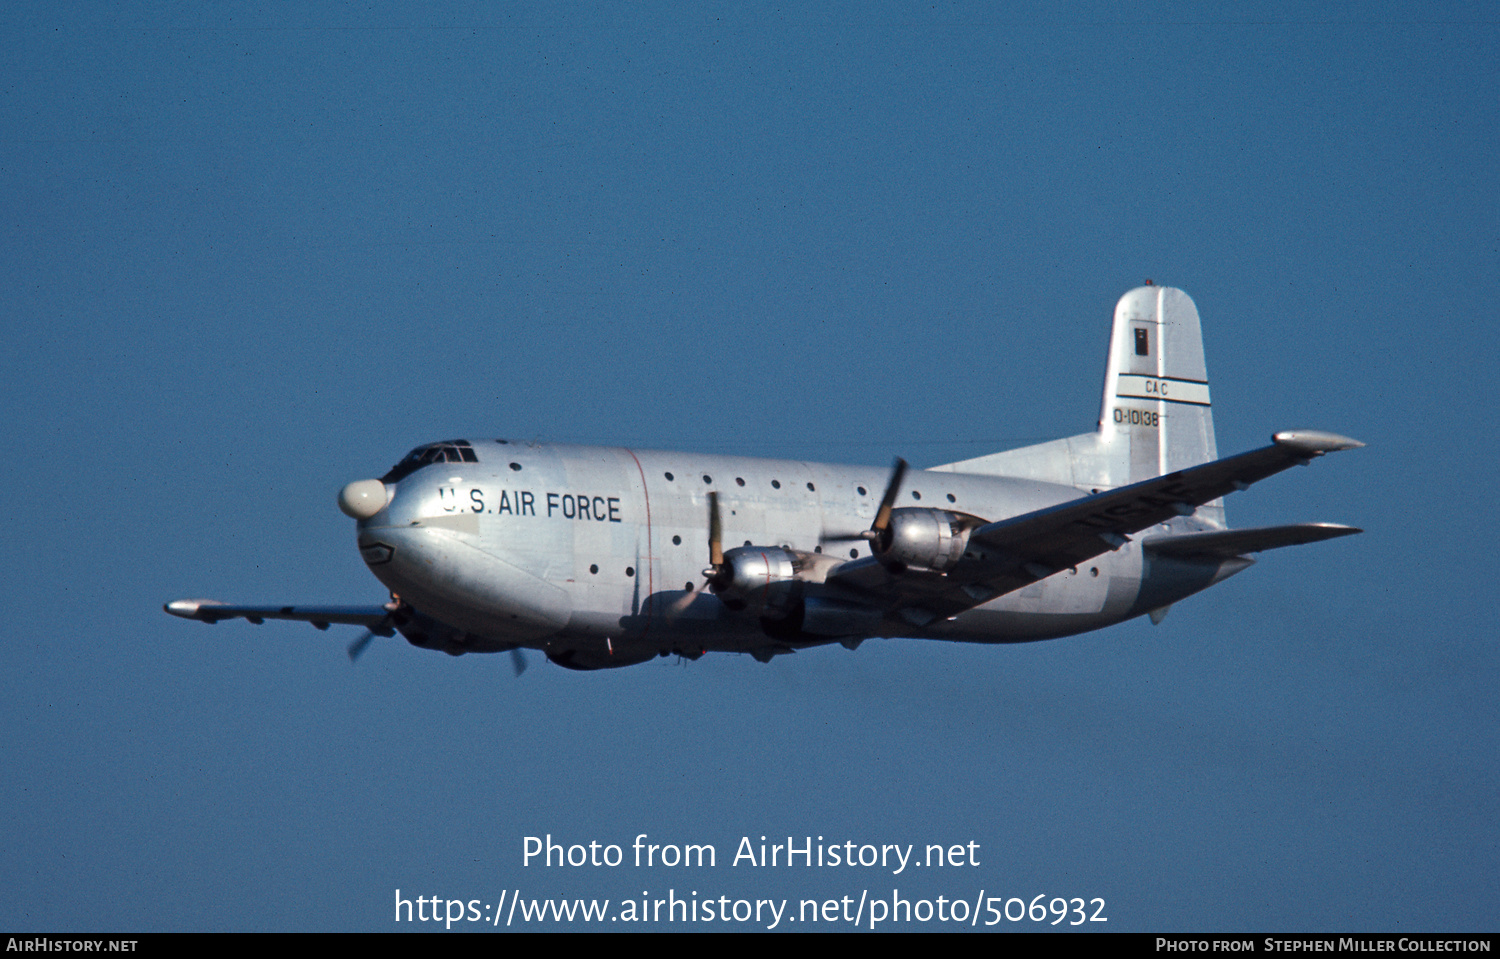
(448, 451)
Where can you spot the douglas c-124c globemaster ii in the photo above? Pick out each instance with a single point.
(596, 556)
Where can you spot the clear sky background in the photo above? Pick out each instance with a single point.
(251, 252)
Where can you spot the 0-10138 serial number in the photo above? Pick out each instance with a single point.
(1137, 417)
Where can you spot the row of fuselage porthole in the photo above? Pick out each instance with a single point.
(671, 477)
(740, 481)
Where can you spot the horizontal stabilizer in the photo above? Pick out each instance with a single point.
(1224, 544)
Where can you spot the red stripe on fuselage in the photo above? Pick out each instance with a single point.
(650, 554)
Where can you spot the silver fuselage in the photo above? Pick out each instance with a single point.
(600, 551)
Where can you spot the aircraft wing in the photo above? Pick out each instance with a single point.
(374, 618)
(1013, 553)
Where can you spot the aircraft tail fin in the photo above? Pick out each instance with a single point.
(1155, 417)
(1156, 402)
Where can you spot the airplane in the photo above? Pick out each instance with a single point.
(602, 557)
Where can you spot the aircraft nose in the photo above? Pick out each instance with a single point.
(362, 499)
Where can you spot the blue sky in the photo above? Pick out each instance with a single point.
(251, 252)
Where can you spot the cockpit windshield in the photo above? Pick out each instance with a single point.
(448, 451)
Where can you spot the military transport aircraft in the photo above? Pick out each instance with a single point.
(602, 557)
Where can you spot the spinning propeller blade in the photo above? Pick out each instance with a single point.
(715, 533)
(888, 501)
(357, 647)
(717, 572)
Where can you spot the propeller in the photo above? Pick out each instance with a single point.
(883, 515)
(718, 572)
(888, 501)
(357, 648)
(385, 627)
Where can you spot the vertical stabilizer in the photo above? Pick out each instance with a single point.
(1156, 406)
(1155, 416)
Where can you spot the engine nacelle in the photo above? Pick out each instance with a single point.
(926, 539)
(762, 579)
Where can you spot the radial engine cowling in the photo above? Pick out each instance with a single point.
(930, 539)
(760, 578)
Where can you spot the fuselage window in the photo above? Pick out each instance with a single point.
(775, 484)
(669, 477)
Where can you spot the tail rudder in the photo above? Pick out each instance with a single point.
(1156, 417)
